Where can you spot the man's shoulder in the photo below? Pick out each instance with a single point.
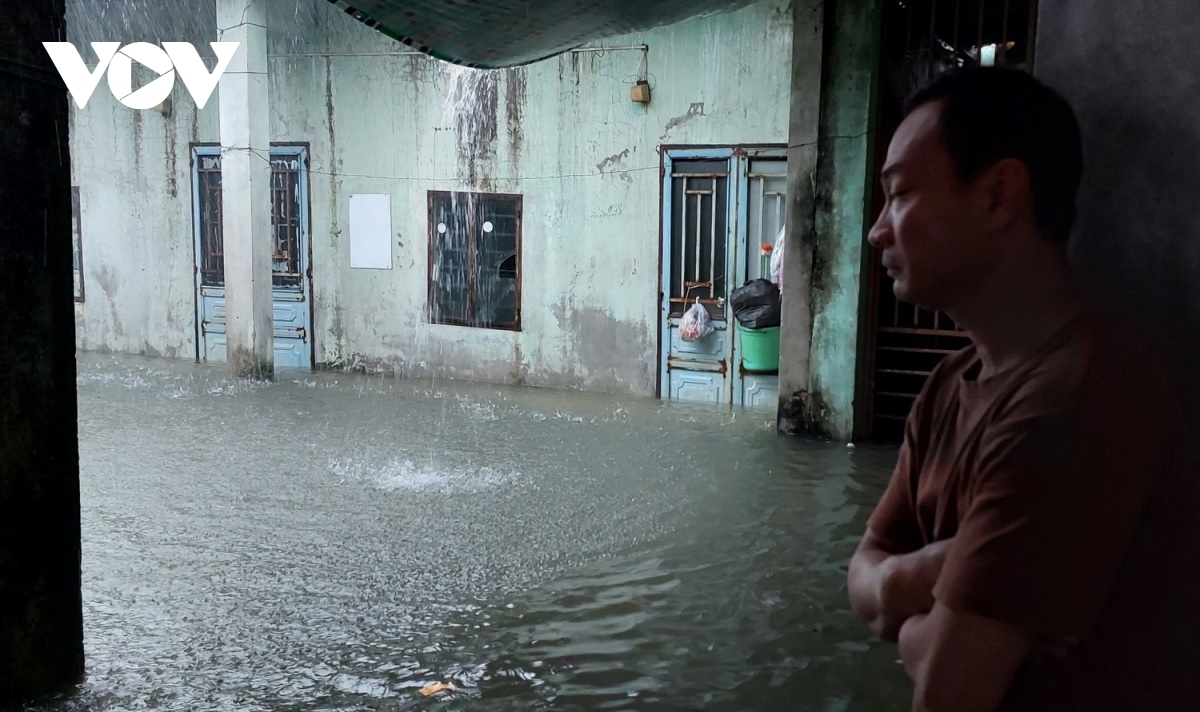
(1107, 377)
(1120, 363)
(1102, 368)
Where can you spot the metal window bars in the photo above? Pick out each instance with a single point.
(285, 221)
(698, 240)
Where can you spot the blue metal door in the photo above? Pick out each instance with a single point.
(762, 201)
(290, 266)
(699, 267)
(720, 206)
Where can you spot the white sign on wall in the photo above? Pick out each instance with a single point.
(370, 231)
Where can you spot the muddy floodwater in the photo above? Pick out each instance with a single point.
(336, 541)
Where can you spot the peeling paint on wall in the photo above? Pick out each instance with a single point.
(612, 161)
(695, 111)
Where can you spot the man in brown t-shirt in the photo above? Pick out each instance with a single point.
(1038, 545)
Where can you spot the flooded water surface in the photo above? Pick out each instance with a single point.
(343, 542)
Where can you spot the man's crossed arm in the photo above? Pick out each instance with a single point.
(957, 661)
(888, 586)
(961, 661)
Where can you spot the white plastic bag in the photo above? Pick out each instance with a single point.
(696, 323)
(777, 260)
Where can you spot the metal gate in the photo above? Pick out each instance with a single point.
(291, 274)
(922, 38)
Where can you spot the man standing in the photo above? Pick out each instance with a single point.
(1038, 545)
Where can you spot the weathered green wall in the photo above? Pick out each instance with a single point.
(41, 618)
(844, 183)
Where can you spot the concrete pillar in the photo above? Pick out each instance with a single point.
(845, 181)
(41, 611)
(246, 186)
(797, 318)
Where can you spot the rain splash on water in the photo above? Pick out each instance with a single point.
(336, 541)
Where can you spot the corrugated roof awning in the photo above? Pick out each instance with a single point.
(506, 33)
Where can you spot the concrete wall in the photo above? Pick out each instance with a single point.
(1130, 70)
(563, 133)
(832, 124)
(41, 611)
(844, 185)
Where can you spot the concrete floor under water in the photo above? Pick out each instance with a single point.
(339, 542)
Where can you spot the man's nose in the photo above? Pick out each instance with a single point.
(880, 235)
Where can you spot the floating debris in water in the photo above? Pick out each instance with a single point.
(437, 689)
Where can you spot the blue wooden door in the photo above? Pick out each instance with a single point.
(699, 267)
(291, 294)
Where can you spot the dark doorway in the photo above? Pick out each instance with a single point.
(922, 38)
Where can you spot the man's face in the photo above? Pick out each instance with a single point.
(932, 227)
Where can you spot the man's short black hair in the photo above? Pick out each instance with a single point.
(989, 114)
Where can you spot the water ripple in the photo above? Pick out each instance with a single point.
(337, 542)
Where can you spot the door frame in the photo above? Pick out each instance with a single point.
(286, 148)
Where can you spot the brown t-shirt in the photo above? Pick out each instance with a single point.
(1070, 486)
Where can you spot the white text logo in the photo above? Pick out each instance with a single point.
(118, 61)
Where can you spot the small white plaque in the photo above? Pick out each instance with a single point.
(370, 231)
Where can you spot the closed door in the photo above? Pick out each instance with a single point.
(699, 262)
(290, 292)
(720, 206)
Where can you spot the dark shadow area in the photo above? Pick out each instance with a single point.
(41, 625)
(1136, 240)
(1135, 246)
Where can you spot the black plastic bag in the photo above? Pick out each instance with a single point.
(756, 304)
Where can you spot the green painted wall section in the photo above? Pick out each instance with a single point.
(844, 184)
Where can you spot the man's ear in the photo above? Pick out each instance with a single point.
(1007, 192)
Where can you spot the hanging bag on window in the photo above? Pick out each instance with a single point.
(696, 323)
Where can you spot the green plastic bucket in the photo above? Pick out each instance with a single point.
(760, 348)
